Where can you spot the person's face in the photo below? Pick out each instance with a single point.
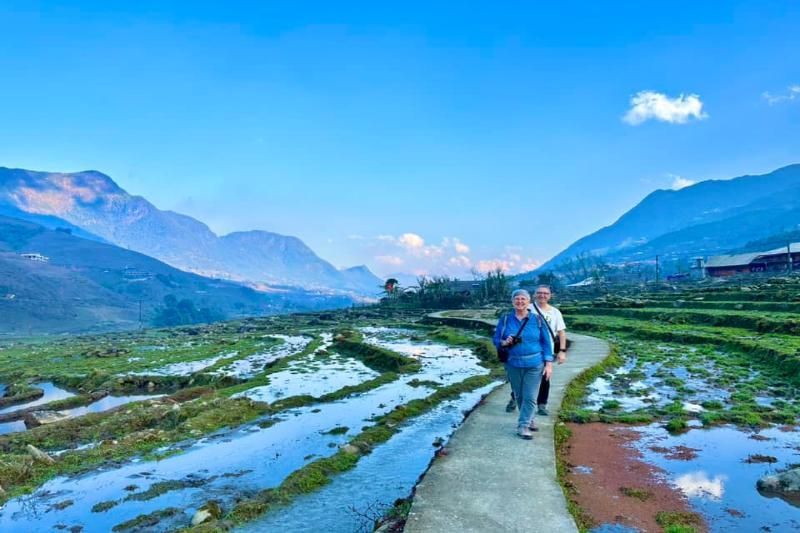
(521, 302)
(543, 295)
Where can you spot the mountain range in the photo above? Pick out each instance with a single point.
(707, 218)
(83, 285)
(93, 205)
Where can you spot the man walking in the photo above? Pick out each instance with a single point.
(556, 322)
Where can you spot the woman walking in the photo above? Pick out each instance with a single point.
(530, 356)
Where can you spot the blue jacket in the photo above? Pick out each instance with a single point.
(534, 350)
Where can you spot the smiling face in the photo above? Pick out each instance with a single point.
(543, 295)
(521, 302)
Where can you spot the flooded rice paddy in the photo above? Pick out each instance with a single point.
(388, 473)
(52, 393)
(719, 474)
(700, 388)
(162, 490)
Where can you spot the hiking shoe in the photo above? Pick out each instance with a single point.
(532, 426)
(543, 411)
(511, 405)
(524, 432)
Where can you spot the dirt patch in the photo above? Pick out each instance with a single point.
(612, 489)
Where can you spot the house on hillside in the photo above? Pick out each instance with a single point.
(777, 260)
(133, 274)
(35, 257)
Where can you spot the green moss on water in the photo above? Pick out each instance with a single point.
(577, 389)
(678, 519)
(145, 521)
(377, 358)
(104, 506)
(162, 487)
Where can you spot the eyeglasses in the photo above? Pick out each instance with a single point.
(542, 294)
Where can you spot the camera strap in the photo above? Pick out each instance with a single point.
(524, 323)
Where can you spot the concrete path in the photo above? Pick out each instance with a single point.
(492, 480)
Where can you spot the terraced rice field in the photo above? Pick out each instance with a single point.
(714, 370)
(305, 421)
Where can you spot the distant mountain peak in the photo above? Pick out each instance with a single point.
(707, 217)
(93, 202)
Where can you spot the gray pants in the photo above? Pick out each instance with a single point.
(525, 385)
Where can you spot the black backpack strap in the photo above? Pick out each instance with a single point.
(552, 335)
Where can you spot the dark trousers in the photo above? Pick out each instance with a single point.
(544, 392)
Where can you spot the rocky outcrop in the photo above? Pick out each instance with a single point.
(784, 483)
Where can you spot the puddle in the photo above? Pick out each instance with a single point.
(87, 446)
(12, 427)
(98, 406)
(330, 374)
(251, 365)
(231, 464)
(388, 473)
(451, 364)
(719, 483)
(51, 394)
(106, 403)
(613, 528)
(184, 368)
(655, 387)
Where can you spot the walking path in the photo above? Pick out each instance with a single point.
(491, 480)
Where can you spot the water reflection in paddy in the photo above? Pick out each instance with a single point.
(258, 457)
(719, 482)
(249, 366)
(51, 394)
(388, 473)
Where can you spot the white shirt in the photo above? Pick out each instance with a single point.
(554, 320)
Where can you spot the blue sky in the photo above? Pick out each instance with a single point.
(413, 137)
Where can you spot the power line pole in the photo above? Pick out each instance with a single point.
(656, 270)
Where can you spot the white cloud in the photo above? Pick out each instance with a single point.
(450, 257)
(389, 260)
(411, 241)
(490, 265)
(647, 105)
(792, 93)
(460, 261)
(701, 485)
(679, 182)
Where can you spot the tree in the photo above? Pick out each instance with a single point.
(179, 313)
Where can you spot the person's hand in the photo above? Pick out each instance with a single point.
(562, 357)
(508, 341)
(548, 370)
